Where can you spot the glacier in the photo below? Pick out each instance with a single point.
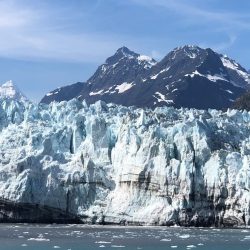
(109, 164)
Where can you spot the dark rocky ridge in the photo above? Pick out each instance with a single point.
(243, 102)
(65, 93)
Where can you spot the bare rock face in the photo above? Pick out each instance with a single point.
(243, 102)
(113, 164)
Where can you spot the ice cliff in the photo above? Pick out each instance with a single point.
(113, 164)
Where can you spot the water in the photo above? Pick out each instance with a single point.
(76, 237)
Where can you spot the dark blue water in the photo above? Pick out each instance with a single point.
(76, 237)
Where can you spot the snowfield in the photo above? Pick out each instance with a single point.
(106, 163)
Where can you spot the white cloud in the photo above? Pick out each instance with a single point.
(13, 16)
(222, 46)
(192, 11)
(223, 22)
(157, 55)
(29, 33)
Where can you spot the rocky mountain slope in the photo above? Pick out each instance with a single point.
(243, 102)
(188, 76)
(112, 164)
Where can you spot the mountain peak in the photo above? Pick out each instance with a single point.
(187, 47)
(8, 84)
(125, 52)
(190, 49)
(10, 91)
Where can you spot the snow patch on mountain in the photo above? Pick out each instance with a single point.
(96, 93)
(213, 78)
(150, 61)
(124, 87)
(231, 64)
(162, 98)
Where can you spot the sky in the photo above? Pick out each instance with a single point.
(47, 44)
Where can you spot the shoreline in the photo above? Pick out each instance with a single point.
(116, 226)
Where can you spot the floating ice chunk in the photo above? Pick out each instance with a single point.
(184, 236)
(38, 239)
(103, 242)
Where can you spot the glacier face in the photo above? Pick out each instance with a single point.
(114, 164)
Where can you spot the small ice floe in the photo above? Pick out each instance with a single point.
(173, 246)
(24, 245)
(56, 247)
(245, 231)
(103, 242)
(39, 238)
(26, 232)
(118, 246)
(191, 246)
(165, 240)
(101, 246)
(20, 236)
(200, 244)
(247, 237)
(184, 236)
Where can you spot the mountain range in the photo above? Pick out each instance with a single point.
(188, 76)
(74, 162)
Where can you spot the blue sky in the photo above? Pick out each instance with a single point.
(45, 44)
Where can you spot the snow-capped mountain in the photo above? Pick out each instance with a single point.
(114, 76)
(70, 162)
(188, 76)
(9, 90)
(122, 68)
